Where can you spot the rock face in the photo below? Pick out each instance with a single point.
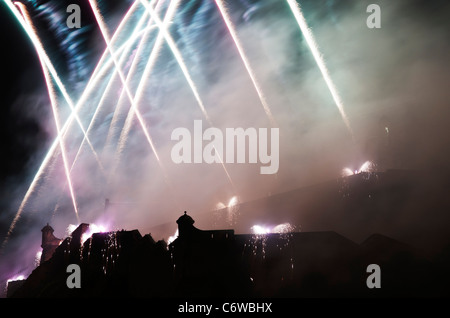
(220, 263)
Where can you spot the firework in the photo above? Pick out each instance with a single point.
(259, 91)
(296, 10)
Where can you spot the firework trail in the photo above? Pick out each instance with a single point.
(137, 97)
(132, 70)
(53, 102)
(134, 99)
(296, 10)
(123, 50)
(118, 70)
(41, 52)
(232, 31)
(139, 91)
(176, 53)
(48, 68)
(179, 58)
(143, 33)
(51, 152)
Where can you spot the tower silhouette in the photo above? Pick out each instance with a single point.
(49, 243)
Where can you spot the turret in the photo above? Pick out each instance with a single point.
(185, 225)
(49, 243)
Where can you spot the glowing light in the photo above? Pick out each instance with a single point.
(233, 201)
(280, 228)
(37, 258)
(230, 209)
(260, 230)
(220, 206)
(346, 172)
(295, 8)
(173, 237)
(93, 228)
(283, 228)
(15, 278)
(367, 166)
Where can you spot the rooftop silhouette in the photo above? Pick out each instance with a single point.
(220, 263)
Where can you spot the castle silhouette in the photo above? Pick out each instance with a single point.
(220, 263)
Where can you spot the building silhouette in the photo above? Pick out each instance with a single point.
(220, 263)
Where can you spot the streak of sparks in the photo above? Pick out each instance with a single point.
(296, 10)
(118, 69)
(179, 58)
(53, 103)
(229, 24)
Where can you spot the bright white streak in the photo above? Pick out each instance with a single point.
(262, 98)
(177, 56)
(131, 73)
(53, 103)
(260, 230)
(295, 8)
(94, 79)
(117, 69)
(41, 52)
(233, 201)
(129, 76)
(139, 91)
(176, 53)
(113, 39)
(61, 141)
(44, 57)
(136, 99)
